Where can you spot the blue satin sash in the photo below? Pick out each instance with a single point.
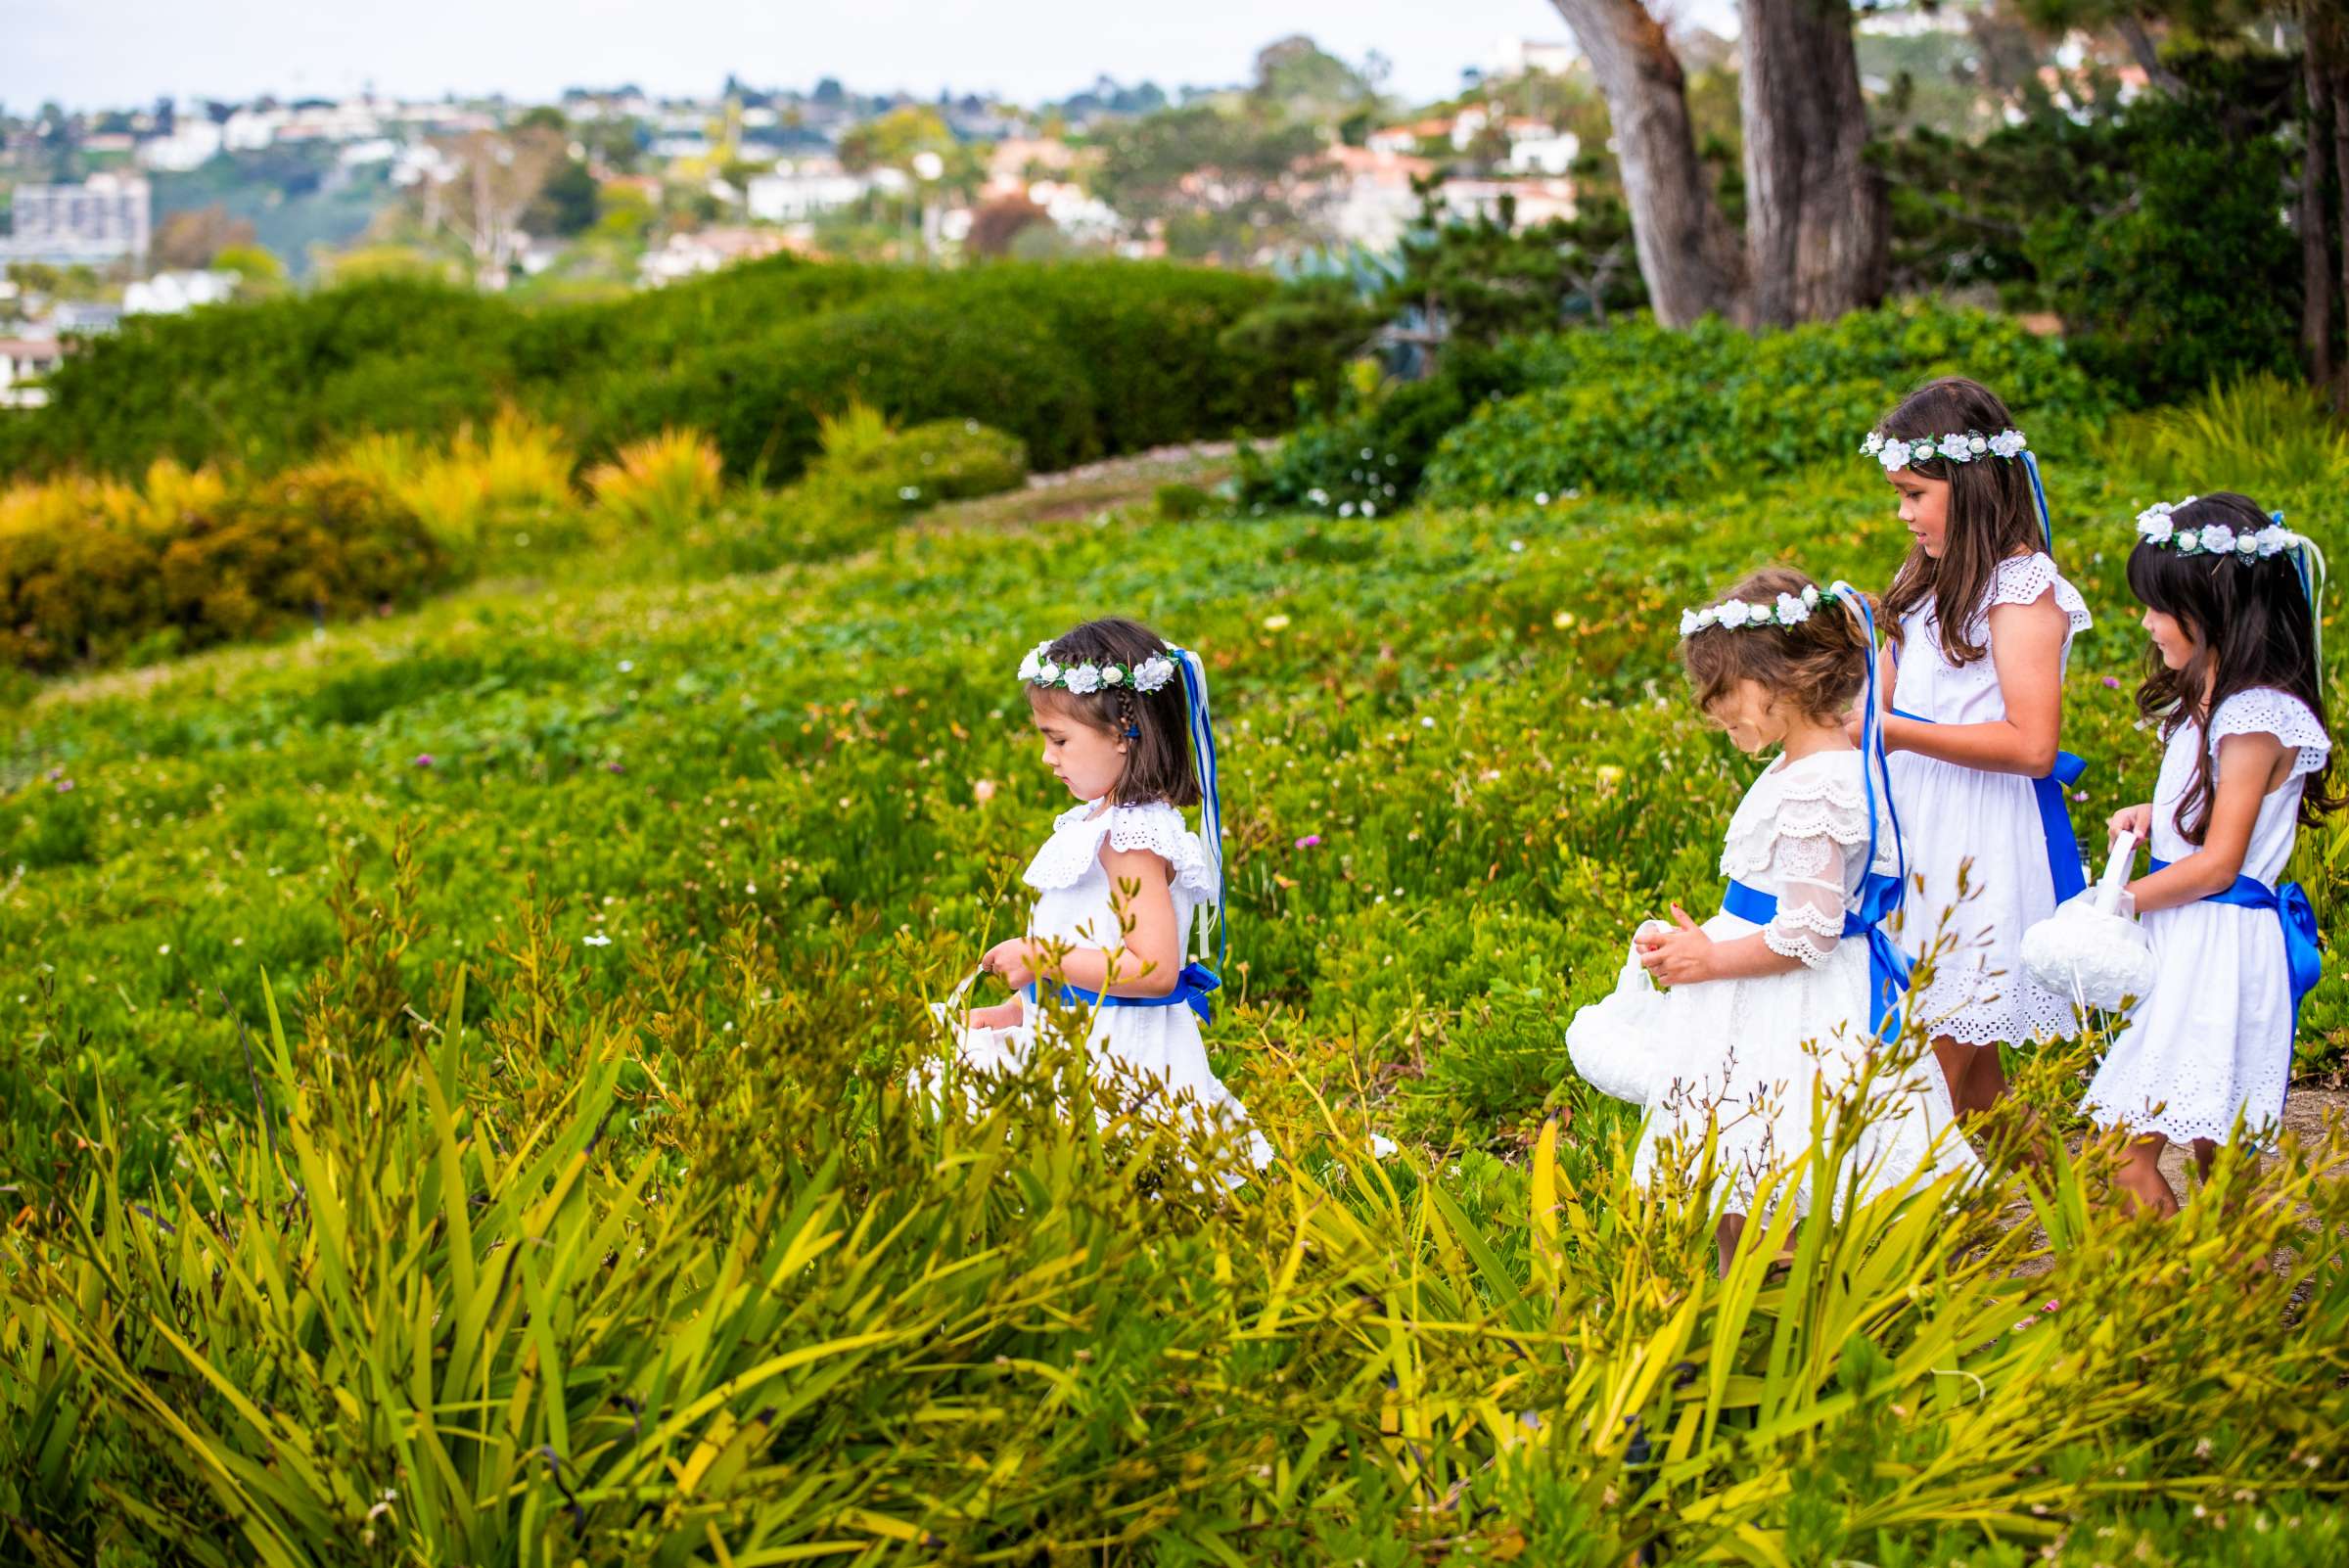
(1887, 965)
(1190, 988)
(2054, 816)
(2303, 957)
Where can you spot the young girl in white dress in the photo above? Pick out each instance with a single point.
(2235, 689)
(1125, 726)
(1979, 626)
(1794, 979)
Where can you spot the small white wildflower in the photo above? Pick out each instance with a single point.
(598, 940)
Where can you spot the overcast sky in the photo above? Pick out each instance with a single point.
(118, 53)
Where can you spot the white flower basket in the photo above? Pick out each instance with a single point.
(2088, 949)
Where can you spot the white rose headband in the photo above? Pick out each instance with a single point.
(1895, 454)
(1039, 670)
(1735, 615)
(2157, 526)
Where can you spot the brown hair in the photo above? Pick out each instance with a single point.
(1155, 725)
(1991, 515)
(2251, 626)
(1818, 664)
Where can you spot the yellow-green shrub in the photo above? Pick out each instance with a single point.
(660, 483)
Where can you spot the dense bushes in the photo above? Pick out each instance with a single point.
(1075, 361)
(93, 588)
(1635, 408)
(1644, 411)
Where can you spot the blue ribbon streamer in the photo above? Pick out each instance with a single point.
(2039, 497)
(1203, 768)
(1887, 965)
(2303, 957)
(1190, 989)
(2054, 816)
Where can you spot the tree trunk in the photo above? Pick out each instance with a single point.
(1687, 254)
(1817, 214)
(2139, 42)
(2316, 246)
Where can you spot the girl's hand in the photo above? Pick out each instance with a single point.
(1011, 960)
(2137, 819)
(1680, 957)
(1002, 1015)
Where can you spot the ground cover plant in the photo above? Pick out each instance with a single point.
(453, 1096)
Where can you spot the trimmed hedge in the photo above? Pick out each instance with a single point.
(1077, 359)
(93, 589)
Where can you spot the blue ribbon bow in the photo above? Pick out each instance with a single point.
(1887, 965)
(2054, 816)
(2303, 956)
(1191, 986)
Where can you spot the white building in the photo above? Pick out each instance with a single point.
(797, 192)
(171, 293)
(107, 217)
(1373, 203)
(193, 142)
(23, 361)
(1544, 152)
(686, 255)
(249, 130)
(1538, 201)
(1516, 57)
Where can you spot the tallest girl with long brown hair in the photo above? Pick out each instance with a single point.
(1979, 626)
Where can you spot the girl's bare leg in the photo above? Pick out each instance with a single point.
(2142, 1185)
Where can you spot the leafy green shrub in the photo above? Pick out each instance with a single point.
(940, 460)
(918, 359)
(92, 589)
(1368, 452)
(1178, 503)
(2257, 436)
(1640, 409)
(2175, 265)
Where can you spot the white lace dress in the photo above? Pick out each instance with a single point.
(1743, 1053)
(2215, 1036)
(1987, 823)
(1072, 904)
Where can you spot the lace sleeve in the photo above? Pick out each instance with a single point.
(1809, 923)
(2024, 578)
(2265, 710)
(1159, 828)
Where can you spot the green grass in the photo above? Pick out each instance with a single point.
(1027, 1340)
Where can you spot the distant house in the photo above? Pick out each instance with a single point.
(84, 317)
(24, 362)
(194, 142)
(1535, 201)
(794, 193)
(171, 293)
(1515, 57)
(106, 217)
(1370, 200)
(708, 251)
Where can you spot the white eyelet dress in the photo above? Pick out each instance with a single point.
(1743, 1053)
(1986, 823)
(1072, 904)
(2215, 1038)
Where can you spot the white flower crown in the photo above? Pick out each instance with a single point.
(1039, 670)
(1899, 454)
(2155, 527)
(1733, 615)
